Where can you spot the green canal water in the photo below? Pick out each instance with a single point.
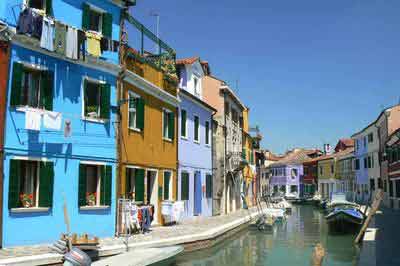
(290, 243)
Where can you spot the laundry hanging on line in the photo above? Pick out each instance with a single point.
(52, 120)
(33, 119)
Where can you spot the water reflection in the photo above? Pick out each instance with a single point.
(290, 243)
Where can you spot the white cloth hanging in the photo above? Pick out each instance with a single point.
(46, 40)
(52, 120)
(33, 119)
(72, 43)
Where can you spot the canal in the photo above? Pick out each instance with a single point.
(290, 243)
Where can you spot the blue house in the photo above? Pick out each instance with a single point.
(60, 137)
(195, 140)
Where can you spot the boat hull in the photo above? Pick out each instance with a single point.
(345, 220)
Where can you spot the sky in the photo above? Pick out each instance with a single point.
(310, 71)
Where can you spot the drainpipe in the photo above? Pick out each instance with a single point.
(212, 161)
(225, 155)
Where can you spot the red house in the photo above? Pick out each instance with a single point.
(309, 180)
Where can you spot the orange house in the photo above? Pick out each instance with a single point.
(148, 148)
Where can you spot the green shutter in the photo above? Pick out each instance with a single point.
(183, 123)
(107, 25)
(49, 7)
(140, 113)
(46, 174)
(128, 186)
(243, 153)
(106, 185)
(82, 185)
(105, 90)
(208, 186)
(85, 16)
(196, 127)
(171, 125)
(251, 157)
(46, 90)
(139, 185)
(166, 185)
(14, 184)
(16, 84)
(184, 186)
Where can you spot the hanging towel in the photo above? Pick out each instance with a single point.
(52, 120)
(33, 119)
(25, 22)
(72, 43)
(93, 43)
(37, 25)
(46, 41)
(59, 40)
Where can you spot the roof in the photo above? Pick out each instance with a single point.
(228, 90)
(187, 61)
(348, 142)
(296, 157)
(336, 154)
(198, 100)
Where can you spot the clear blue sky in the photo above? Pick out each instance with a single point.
(311, 71)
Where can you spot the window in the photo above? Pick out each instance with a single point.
(370, 137)
(365, 162)
(372, 184)
(196, 129)
(397, 183)
(96, 99)
(275, 189)
(391, 188)
(37, 4)
(357, 164)
(380, 185)
(135, 112)
(369, 162)
(134, 185)
(332, 169)
(31, 87)
(184, 186)
(94, 185)
(305, 170)
(168, 124)
(282, 188)
(208, 186)
(365, 141)
(30, 184)
(196, 86)
(294, 173)
(167, 185)
(320, 170)
(207, 133)
(183, 123)
(293, 189)
(357, 144)
(95, 19)
(235, 116)
(227, 109)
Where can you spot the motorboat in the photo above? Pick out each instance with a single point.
(345, 218)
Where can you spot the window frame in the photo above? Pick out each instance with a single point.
(194, 129)
(98, 184)
(135, 96)
(31, 71)
(188, 185)
(196, 83)
(167, 137)
(27, 4)
(207, 133)
(170, 185)
(99, 84)
(36, 182)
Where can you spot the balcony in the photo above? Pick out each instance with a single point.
(158, 68)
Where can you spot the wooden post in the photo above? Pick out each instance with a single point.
(318, 255)
(375, 205)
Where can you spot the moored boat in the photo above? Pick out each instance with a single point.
(344, 218)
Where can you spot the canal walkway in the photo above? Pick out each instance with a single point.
(192, 234)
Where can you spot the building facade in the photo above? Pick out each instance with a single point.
(248, 154)
(195, 179)
(309, 180)
(345, 172)
(392, 160)
(61, 106)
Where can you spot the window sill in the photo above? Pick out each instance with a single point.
(24, 108)
(30, 210)
(167, 139)
(209, 146)
(93, 208)
(135, 129)
(197, 142)
(95, 120)
(184, 138)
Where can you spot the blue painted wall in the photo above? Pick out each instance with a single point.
(68, 12)
(195, 156)
(89, 142)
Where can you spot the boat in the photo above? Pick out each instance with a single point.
(344, 218)
(339, 200)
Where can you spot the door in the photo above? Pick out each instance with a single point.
(197, 193)
(152, 192)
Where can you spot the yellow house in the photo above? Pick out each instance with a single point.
(148, 137)
(248, 155)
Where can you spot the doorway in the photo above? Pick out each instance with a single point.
(197, 193)
(152, 192)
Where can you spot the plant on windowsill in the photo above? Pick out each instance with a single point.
(91, 111)
(26, 200)
(91, 198)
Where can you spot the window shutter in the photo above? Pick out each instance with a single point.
(166, 185)
(243, 153)
(105, 90)
(127, 182)
(46, 184)
(184, 186)
(14, 184)
(139, 185)
(16, 84)
(183, 123)
(196, 127)
(207, 132)
(107, 25)
(82, 185)
(208, 186)
(46, 90)
(171, 125)
(106, 186)
(140, 113)
(49, 7)
(85, 16)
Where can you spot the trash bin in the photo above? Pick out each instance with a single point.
(167, 211)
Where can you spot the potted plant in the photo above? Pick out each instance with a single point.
(26, 200)
(91, 198)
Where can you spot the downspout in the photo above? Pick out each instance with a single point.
(212, 162)
(225, 156)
